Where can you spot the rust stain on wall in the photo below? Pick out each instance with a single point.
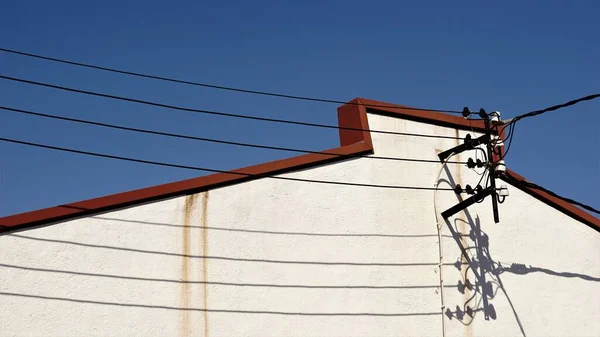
(188, 212)
(204, 240)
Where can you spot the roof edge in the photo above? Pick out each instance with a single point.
(557, 203)
(352, 143)
(425, 116)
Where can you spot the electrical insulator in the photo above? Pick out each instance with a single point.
(497, 141)
(469, 189)
(458, 189)
(472, 164)
(468, 140)
(495, 116)
(466, 112)
(500, 166)
(482, 113)
(503, 191)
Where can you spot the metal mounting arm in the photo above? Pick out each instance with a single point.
(466, 203)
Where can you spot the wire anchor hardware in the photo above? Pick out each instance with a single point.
(493, 144)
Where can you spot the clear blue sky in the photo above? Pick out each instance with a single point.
(512, 56)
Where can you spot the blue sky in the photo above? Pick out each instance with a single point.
(511, 56)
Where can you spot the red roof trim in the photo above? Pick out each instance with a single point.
(430, 117)
(563, 206)
(352, 143)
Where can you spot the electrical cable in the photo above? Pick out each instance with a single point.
(438, 225)
(212, 112)
(510, 139)
(249, 175)
(212, 140)
(516, 181)
(554, 107)
(206, 85)
(514, 120)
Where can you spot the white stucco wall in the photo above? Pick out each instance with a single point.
(296, 259)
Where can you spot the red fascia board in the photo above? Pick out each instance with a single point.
(559, 204)
(353, 143)
(429, 117)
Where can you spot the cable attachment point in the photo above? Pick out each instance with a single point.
(472, 164)
(478, 197)
(503, 191)
(466, 112)
(468, 189)
(483, 114)
(499, 167)
(494, 116)
(497, 141)
(469, 144)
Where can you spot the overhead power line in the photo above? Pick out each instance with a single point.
(196, 168)
(217, 113)
(513, 121)
(212, 140)
(516, 181)
(554, 107)
(207, 85)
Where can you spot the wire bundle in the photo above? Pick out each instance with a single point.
(510, 125)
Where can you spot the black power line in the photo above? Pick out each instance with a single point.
(212, 140)
(206, 85)
(196, 168)
(528, 184)
(554, 107)
(513, 121)
(212, 112)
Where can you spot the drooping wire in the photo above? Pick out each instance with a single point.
(212, 112)
(513, 180)
(196, 168)
(510, 139)
(212, 140)
(213, 86)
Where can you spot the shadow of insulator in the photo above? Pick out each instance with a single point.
(474, 264)
(485, 263)
(449, 314)
(491, 311)
(472, 235)
(484, 241)
(469, 285)
(458, 265)
(461, 287)
(518, 268)
(469, 311)
(488, 290)
(460, 315)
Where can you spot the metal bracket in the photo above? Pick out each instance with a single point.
(466, 203)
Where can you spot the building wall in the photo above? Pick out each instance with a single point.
(283, 258)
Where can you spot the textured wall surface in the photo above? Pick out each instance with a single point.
(284, 258)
